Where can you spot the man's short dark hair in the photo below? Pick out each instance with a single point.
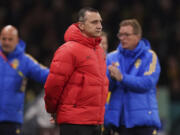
(81, 14)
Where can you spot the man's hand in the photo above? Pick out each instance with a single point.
(114, 72)
(53, 118)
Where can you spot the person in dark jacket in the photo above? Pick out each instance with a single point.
(15, 67)
(77, 86)
(133, 72)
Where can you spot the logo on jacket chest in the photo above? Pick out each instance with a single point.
(15, 63)
(137, 63)
(88, 57)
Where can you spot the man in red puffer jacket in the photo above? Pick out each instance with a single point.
(77, 86)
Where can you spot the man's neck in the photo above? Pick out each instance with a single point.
(5, 53)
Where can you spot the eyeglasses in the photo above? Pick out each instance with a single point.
(119, 35)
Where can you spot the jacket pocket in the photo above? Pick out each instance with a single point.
(90, 94)
(138, 101)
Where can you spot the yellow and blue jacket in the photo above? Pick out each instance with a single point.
(133, 100)
(14, 69)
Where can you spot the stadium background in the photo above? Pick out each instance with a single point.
(42, 24)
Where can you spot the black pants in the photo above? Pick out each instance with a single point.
(74, 129)
(10, 128)
(141, 130)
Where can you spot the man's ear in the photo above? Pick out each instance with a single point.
(81, 26)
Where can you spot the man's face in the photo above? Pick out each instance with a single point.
(92, 26)
(9, 40)
(128, 39)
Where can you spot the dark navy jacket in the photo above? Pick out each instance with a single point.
(12, 83)
(133, 100)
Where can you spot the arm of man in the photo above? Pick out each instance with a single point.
(149, 78)
(61, 69)
(36, 71)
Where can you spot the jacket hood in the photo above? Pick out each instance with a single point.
(73, 33)
(20, 48)
(142, 45)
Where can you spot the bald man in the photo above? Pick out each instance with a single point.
(9, 39)
(15, 67)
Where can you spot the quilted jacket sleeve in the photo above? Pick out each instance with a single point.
(61, 69)
(148, 80)
(36, 71)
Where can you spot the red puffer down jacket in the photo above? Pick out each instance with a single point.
(77, 86)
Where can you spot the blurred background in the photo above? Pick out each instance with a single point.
(42, 23)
